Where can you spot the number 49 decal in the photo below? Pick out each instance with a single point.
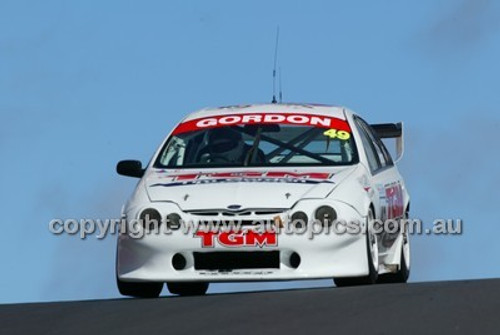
(340, 134)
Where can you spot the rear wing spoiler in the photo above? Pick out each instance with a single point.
(391, 130)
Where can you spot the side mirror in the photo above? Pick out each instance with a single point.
(130, 168)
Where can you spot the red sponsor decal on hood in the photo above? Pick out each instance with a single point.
(242, 176)
(250, 174)
(320, 121)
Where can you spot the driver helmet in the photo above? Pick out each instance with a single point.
(227, 143)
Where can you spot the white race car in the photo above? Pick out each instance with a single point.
(265, 192)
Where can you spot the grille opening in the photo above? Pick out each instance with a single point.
(268, 212)
(205, 213)
(244, 212)
(236, 213)
(236, 260)
(233, 223)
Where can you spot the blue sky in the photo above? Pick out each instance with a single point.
(85, 84)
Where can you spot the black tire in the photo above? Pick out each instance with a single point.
(397, 277)
(401, 276)
(139, 289)
(403, 273)
(369, 279)
(188, 288)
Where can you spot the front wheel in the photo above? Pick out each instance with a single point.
(372, 255)
(139, 289)
(188, 288)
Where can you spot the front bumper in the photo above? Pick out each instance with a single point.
(150, 258)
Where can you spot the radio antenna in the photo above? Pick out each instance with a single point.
(279, 81)
(275, 62)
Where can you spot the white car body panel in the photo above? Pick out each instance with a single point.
(351, 190)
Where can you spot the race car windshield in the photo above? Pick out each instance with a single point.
(258, 145)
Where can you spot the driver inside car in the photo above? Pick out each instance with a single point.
(226, 146)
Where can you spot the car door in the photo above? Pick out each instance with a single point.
(386, 183)
(385, 178)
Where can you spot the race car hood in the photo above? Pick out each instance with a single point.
(242, 188)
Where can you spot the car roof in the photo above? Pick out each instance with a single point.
(285, 108)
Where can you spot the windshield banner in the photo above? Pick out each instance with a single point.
(319, 121)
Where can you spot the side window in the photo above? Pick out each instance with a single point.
(387, 155)
(381, 148)
(382, 152)
(371, 153)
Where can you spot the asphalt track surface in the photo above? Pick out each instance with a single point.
(456, 307)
